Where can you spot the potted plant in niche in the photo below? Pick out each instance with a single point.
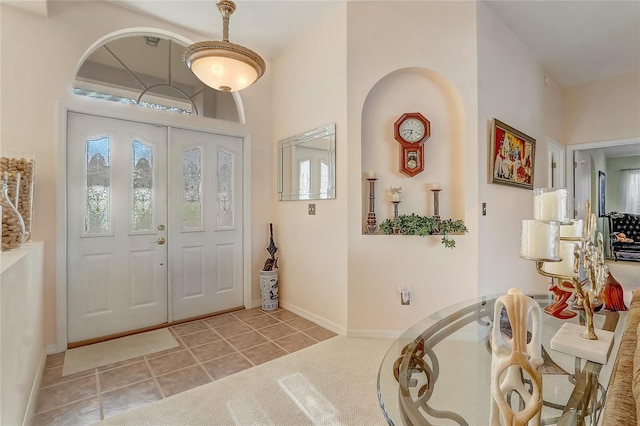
(414, 224)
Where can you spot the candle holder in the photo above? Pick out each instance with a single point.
(371, 217)
(583, 246)
(396, 229)
(436, 202)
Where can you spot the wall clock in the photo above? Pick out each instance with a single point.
(411, 130)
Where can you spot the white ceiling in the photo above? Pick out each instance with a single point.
(577, 40)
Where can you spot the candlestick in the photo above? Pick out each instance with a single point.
(396, 229)
(371, 217)
(436, 202)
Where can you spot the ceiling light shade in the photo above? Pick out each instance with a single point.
(222, 65)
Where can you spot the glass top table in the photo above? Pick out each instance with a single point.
(439, 371)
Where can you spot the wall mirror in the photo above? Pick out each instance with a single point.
(306, 165)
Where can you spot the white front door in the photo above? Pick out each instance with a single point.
(205, 172)
(152, 238)
(117, 217)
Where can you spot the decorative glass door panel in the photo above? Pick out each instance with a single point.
(142, 187)
(116, 263)
(97, 213)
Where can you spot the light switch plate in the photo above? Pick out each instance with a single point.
(311, 209)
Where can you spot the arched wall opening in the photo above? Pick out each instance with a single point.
(436, 98)
(144, 66)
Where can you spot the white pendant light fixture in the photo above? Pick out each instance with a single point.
(222, 65)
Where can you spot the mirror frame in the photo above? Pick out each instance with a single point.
(327, 132)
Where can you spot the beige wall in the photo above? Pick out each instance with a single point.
(511, 88)
(406, 57)
(33, 84)
(603, 110)
(309, 90)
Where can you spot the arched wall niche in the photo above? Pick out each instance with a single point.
(144, 65)
(435, 97)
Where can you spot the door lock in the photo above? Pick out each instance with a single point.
(160, 227)
(160, 241)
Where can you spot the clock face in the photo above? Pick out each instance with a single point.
(411, 130)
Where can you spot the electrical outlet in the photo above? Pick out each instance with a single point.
(311, 209)
(405, 297)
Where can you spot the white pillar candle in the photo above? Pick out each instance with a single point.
(372, 175)
(539, 240)
(396, 196)
(567, 249)
(435, 185)
(565, 266)
(550, 204)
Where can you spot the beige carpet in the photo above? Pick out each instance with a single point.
(109, 352)
(330, 383)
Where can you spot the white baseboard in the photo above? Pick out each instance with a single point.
(52, 349)
(315, 318)
(35, 387)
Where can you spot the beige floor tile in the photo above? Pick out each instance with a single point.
(171, 362)
(66, 393)
(53, 376)
(199, 338)
(233, 329)
(121, 363)
(248, 313)
(212, 350)
(301, 323)
(262, 321)
(123, 376)
(227, 365)
(320, 333)
(130, 397)
(263, 353)
(182, 380)
(247, 340)
(284, 315)
(54, 360)
(217, 321)
(189, 327)
(295, 342)
(277, 331)
(84, 412)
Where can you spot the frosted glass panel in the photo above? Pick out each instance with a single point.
(225, 189)
(192, 179)
(142, 190)
(97, 218)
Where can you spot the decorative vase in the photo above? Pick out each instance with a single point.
(269, 289)
(13, 234)
(613, 294)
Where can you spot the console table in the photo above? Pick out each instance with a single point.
(439, 371)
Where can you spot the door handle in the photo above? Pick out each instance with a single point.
(160, 241)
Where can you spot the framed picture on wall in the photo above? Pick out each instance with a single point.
(602, 193)
(512, 156)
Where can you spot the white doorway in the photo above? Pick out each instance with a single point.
(581, 183)
(155, 225)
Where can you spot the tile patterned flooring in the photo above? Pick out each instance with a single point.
(210, 349)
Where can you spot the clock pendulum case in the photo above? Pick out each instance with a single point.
(411, 130)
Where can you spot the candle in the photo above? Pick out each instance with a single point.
(372, 175)
(396, 196)
(539, 240)
(566, 252)
(436, 185)
(550, 204)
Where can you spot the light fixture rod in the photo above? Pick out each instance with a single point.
(226, 8)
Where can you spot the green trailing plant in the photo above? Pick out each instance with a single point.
(414, 224)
